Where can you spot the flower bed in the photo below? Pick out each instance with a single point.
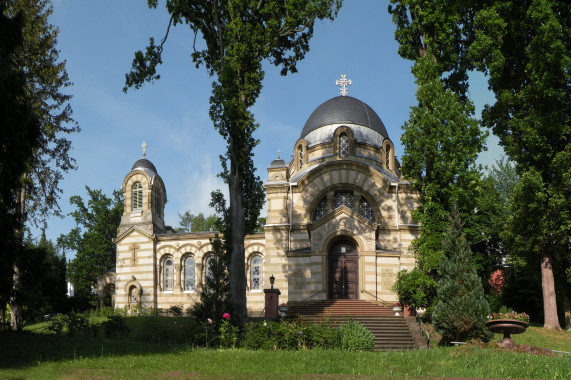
(512, 315)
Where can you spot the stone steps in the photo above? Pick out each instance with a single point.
(390, 332)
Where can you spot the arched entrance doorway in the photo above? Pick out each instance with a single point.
(343, 270)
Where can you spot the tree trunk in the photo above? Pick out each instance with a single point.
(237, 260)
(15, 309)
(551, 322)
(567, 308)
(3, 303)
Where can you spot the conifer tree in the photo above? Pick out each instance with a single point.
(215, 295)
(462, 309)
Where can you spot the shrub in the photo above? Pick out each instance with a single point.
(354, 336)
(175, 311)
(73, 324)
(114, 326)
(415, 288)
(322, 335)
(229, 335)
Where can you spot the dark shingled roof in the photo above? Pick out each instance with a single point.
(143, 163)
(344, 110)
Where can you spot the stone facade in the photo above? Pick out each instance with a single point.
(338, 223)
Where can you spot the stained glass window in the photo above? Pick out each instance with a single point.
(137, 196)
(343, 146)
(189, 274)
(208, 268)
(367, 211)
(344, 199)
(321, 210)
(168, 274)
(256, 273)
(300, 157)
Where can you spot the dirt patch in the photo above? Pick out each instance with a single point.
(521, 348)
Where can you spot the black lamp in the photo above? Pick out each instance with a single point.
(272, 280)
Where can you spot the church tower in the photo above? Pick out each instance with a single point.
(144, 196)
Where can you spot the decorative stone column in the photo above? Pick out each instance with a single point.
(272, 298)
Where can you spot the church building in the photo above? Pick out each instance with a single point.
(338, 224)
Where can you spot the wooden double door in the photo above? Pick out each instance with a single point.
(343, 270)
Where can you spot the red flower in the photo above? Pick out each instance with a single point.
(226, 316)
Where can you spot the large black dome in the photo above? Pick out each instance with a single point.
(344, 110)
(143, 163)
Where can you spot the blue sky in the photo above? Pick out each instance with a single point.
(98, 40)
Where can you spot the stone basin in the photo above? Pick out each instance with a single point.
(507, 327)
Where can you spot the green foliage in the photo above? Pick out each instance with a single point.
(72, 324)
(196, 223)
(92, 240)
(229, 335)
(525, 49)
(46, 77)
(175, 311)
(415, 288)
(43, 285)
(289, 335)
(115, 326)
(489, 219)
(20, 130)
(442, 140)
(440, 31)
(461, 311)
(215, 294)
(354, 336)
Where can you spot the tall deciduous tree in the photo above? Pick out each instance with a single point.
(46, 77)
(19, 136)
(92, 239)
(525, 49)
(239, 35)
(442, 140)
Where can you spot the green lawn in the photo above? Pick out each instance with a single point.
(50, 356)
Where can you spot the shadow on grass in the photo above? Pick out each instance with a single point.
(19, 350)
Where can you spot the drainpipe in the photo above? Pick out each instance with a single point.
(397, 215)
(290, 217)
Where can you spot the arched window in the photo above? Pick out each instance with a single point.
(156, 200)
(133, 294)
(137, 196)
(168, 275)
(343, 145)
(189, 274)
(344, 199)
(300, 151)
(367, 211)
(208, 268)
(256, 273)
(388, 156)
(320, 210)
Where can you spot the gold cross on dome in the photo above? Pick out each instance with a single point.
(343, 83)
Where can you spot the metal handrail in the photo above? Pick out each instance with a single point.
(423, 328)
(314, 294)
(380, 300)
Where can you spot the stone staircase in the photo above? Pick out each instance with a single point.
(391, 333)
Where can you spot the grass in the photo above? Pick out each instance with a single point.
(50, 356)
